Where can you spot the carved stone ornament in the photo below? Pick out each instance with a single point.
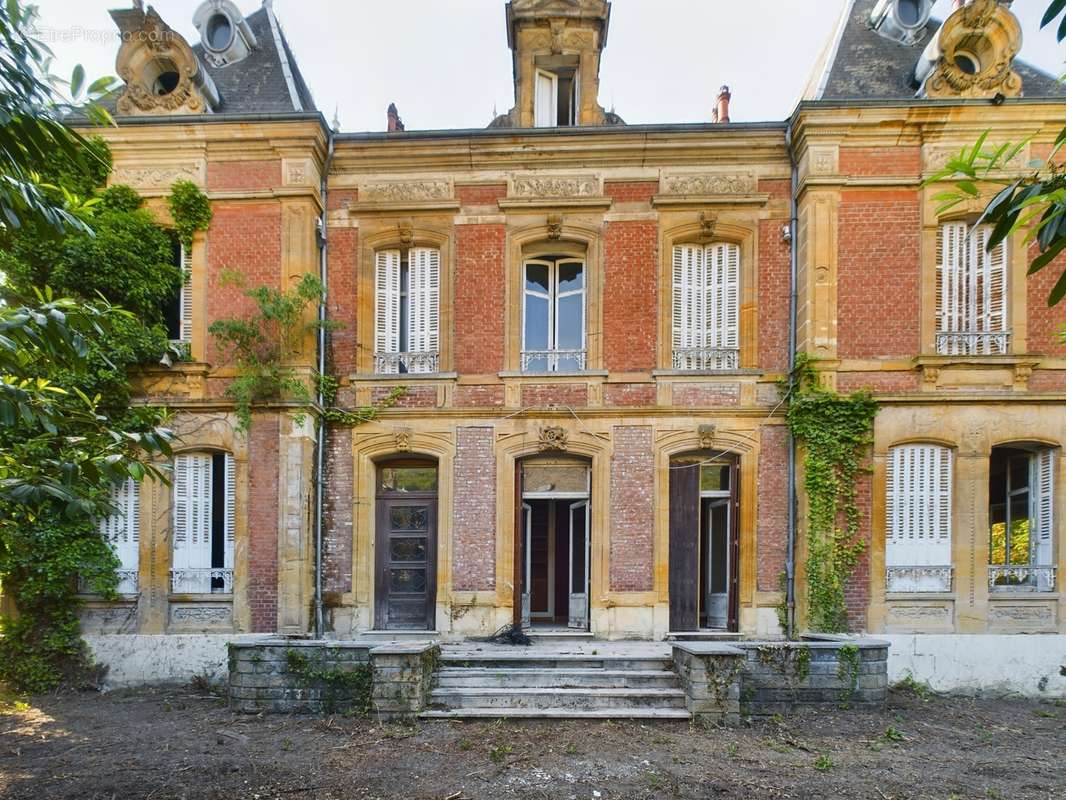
(160, 176)
(403, 440)
(558, 26)
(978, 43)
(555, 226)
(556, 186)
(706, 435)
(707, 223)
(160, 70)
(406, 233)
(552, 438)
(700, 185)
(405, 191)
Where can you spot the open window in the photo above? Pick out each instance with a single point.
(555, 97)
(1020, 515)
(178, 311)
(407, 311)
(204, 522)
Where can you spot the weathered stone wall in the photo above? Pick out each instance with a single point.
(303, 676)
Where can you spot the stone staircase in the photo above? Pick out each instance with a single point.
(524, 683)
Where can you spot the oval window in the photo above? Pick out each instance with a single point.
(219, 32)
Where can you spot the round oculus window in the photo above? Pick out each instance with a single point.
(967, 62)
(219, 32)
(909, 12)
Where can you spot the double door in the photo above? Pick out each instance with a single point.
(561, 538)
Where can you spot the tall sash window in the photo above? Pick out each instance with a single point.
(204, 523)
(918, 511)
(971, 292)
(122, 530)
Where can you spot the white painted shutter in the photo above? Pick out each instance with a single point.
(545, 106)
(122, 530)
(952, 282)
(387, 302)
(185, 298)
(1043, 482)
(192, 521)
(722, 295)
(231, 509)
(990, 285)
(918, 512)
(424, 294)
(688, 310)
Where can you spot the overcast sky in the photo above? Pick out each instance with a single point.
(445, 63)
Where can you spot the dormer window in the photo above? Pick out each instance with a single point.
(555, 100)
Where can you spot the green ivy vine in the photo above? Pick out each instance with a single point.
(835, 432)
(190, 209)
(341, 688)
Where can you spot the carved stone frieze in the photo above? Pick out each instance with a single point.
(555, 186)
(200, 614)
(158, 176)
(709, 184)
(417, 191)
(936, 156)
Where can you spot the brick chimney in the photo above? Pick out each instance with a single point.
(395, 123)
(720, 114)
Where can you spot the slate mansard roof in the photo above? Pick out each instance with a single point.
(862, 65)
(268, 80)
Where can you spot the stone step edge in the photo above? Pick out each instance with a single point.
(453, 657)
(581, 691)
(561, 713)
(476, 672)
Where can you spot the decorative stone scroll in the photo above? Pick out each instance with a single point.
(158, 176)
(552, 438)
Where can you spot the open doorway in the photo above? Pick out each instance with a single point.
(704, 543)
(552, 545)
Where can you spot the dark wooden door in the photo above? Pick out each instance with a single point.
(406, 555)
(684, 546)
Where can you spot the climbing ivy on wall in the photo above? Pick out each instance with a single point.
(835, 432)
(190, 210)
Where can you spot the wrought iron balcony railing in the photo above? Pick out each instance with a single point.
(918, 579)
(706, 358)
(426, 362)
(201, 581)
(1025, 577)
(127, 582)
(952, 343)
(553, 360)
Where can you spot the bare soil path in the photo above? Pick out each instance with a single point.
(179, 743)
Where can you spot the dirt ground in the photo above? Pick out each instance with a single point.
(181, 743)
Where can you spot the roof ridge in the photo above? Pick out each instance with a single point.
(280, 48)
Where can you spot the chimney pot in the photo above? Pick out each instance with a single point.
(395, 123)
(721, 106)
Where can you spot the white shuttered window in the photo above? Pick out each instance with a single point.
(918, 511)
(972, 292)
(1043, 481)
(407, 310)
(706, 306)
(122, 530)
(200, 563)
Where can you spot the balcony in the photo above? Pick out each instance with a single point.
(553, 360)
(127, 583)
(425, 362)
(706, 358)
(918, 578)
(953, 343)
(1021, 578)
(207, 580)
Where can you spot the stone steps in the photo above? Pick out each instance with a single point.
(549, 684)
(532, 677)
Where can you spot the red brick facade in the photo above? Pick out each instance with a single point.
(243, 176)
(632, 510)
(548, 395)
(337, 512)
(474, 520)
(479, 314)
(773, 506)
(630, 299)
(878, 274)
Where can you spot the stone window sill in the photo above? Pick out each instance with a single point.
(403, 377)
(588, 373)
(200, 598)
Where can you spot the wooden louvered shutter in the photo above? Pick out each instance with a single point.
(918, 512)
(687, 303)
(185, 299)
(1043, 482)
(230, 518)
(990, 288)
(952, 283)
(192, 521)
(122, 531)
(722, 298)
(387, 303)
(424, 334)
